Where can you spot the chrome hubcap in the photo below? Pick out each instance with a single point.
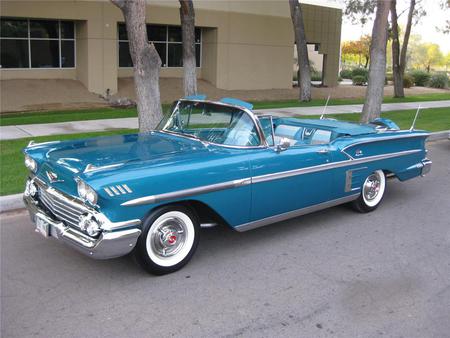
(169, 237)
(372, 187)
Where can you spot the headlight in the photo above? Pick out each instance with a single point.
(86, 192)
(89, 224)
(30, 163)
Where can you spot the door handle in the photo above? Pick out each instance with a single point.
(323, 151)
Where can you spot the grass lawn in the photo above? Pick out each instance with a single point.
(337, 102)
(431, 119)
(13, 172)
(111, 113)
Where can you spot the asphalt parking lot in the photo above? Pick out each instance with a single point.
(335, 273)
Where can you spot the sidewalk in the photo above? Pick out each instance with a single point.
(33, 130)
(352, 108)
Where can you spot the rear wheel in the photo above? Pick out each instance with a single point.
(372, 192)
(168, 241)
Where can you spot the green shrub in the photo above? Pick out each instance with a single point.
(316, 76)
(420, 77)
(346, 73)
(389, 77)
(294, 76)
(359, 80)
(339, 78)
(360, 72)
(438, 81)
(408, 81)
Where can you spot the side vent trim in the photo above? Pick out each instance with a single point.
(117, 190)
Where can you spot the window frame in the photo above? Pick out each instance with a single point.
(166, 42)
(59, 39)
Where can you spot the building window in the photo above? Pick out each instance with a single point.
(167, 41)
(29, 43)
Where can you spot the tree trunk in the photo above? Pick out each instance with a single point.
(406, 36)
(399, 57)
(304, 80)
(377, 68)
(187, 17)
(146, 64)
(396, 69)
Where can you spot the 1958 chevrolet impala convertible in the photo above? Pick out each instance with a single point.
(209, 163)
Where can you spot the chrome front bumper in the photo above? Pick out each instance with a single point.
(109, 244)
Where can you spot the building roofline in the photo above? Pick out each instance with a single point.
(323, 3)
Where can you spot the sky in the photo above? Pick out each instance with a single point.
(426, 27)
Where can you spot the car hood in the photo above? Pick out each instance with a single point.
(88, 158)
(113, 151)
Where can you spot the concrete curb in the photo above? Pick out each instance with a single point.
(439, 135)
(11, 202)
(14, 202)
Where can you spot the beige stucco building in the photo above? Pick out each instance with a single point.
(240, 44)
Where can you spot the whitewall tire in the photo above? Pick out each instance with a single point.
(168, 240)
(372, 192)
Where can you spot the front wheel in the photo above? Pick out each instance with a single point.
(168, 240)
(372, 192)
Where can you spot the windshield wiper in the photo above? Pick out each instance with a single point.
(183, 134)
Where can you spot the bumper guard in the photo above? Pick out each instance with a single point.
(426, 167)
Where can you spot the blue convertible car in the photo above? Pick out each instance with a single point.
(209, 163)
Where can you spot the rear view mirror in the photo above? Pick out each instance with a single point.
(283, 145)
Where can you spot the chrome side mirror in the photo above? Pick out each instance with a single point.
(283, 145)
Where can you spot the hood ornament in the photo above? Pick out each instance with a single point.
(52, 177)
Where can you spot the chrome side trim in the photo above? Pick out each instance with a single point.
(326, 166)
(384, 138)
(348, 180)
(258, 179)
(90, 167)
(295, 213)
(37, 144)
(188, 192)
(208, 225)
(107, 225)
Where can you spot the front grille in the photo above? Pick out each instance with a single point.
(62, 209)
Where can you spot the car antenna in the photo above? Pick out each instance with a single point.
(325, 108)
(415, 118)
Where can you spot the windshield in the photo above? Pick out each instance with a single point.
(213, 123)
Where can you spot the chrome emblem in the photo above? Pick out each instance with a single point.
(52, 177)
